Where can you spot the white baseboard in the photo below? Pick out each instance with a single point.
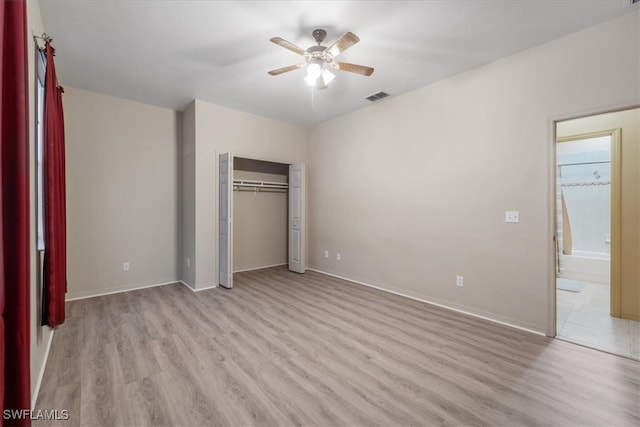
(93, 294)
(36, 391)
(260, 268)
(192, 289)
(205, 288)
(188, 286)
(458, 310)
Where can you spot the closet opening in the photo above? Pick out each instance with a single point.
(261, 216)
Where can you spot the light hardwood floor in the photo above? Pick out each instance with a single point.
(287, 349)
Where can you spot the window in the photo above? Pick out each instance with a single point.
(41, 67)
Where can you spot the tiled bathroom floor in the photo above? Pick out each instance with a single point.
(583, 318)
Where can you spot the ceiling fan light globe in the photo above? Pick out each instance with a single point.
(314, 70)
(327, 76)
(311, 81)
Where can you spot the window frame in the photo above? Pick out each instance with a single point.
(41, 66)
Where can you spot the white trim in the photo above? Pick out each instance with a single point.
(119, 290)
(500, 322)
(196, 290)
(259, 268)
(186, 284)
(205, 289)
(552, 231)
(36, 390)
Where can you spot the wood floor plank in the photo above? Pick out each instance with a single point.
(148, 401)
(65, 397)
(67, 346)
(282, 348)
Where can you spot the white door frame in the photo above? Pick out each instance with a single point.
(225, 220)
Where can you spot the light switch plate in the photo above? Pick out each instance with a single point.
(512, 216)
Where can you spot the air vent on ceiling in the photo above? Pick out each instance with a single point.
(376, 96)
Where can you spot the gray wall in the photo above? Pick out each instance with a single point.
(413, 191)
(122, 180)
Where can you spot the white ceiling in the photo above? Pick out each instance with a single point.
(167, 53)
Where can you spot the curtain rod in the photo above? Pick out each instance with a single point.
(44, 37)
(584, 184)
(585, 163)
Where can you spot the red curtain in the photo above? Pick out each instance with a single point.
(55, 228)
(14, 229)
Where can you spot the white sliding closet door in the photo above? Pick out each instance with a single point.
(297, 223)
(225, 193)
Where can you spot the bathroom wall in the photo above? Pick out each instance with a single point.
(584, 180)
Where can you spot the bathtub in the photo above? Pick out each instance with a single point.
(586, 266)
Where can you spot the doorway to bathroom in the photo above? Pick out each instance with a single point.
(591, 280)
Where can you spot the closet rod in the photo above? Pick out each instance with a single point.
(260, 189)
(260, 184)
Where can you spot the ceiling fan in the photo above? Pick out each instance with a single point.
(319, 58)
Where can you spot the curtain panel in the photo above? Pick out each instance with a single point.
(14, 198)
(55, 229)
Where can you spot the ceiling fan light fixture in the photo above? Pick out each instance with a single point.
(314, 70)
(311, 81)
(327, 76)
(322, 80)
(319, 58)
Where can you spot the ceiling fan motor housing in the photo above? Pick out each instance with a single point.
(318, 52)
(319, 34)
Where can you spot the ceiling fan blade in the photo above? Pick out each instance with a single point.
(342, 44)
(285, 69)
(354, 68)
(288, 45)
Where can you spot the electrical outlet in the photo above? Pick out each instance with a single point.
(460, 281)
(126, 266)
(326, 254)
(338, 256)
(512, 216)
